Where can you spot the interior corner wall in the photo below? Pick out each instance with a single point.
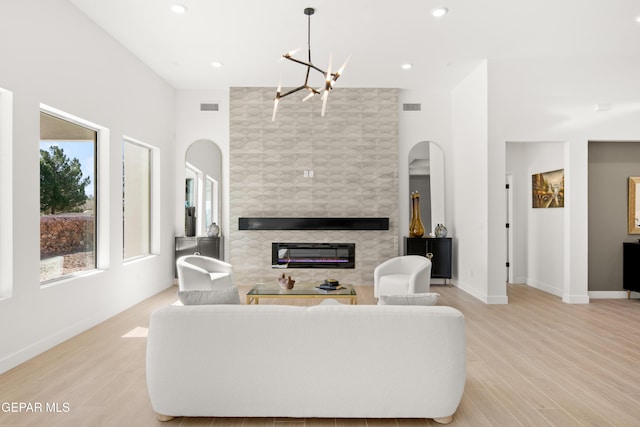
(59, 57)
(516, 166)
(610, 166)
(470, 174)
(353, 153)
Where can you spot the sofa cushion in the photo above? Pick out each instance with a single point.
(413, 299)
(219, 296)
(394, 284)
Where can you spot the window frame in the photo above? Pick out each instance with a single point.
(196, 193)
(6, 194)
(154, 198)
(101, 187)
(212, 195)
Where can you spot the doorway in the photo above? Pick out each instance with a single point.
(535, 240)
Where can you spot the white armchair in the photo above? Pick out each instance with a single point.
(196, 272)
(403, 275)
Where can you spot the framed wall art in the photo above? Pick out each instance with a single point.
(547, 189)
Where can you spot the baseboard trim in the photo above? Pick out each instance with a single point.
(575, 299)
(474, 293)
(544, 287)
(497, 299)
(485, 298)
(612, 294)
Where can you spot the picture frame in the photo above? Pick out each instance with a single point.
(547, 189)
(634, 205)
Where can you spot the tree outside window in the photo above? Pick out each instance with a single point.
(67, 198)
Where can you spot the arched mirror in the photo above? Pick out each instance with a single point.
(202, 199)
(426, 175)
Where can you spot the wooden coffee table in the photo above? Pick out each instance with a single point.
(303, 290)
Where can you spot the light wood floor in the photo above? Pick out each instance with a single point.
(534, 362)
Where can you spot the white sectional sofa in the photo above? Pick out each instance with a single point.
(332, 361)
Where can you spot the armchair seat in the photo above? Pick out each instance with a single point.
(394, 284)
(403, 275)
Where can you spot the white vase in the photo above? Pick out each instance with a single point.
(440, 231)
(213, 230)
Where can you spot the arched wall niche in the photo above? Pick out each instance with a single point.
(203, 187)
(426, 175)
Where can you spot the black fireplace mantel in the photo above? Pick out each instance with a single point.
(312, 223)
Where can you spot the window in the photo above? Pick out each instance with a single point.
(6, 193)
(68, 198)
(136, 188)
(191, 196)
(211, 202)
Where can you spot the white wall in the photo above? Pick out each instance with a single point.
(194, 125)
(438, 184)
(472, 238)
(516, 167)
(58, 57)
(553, 100)
(533, 100)
(432, 123)
(6, 193)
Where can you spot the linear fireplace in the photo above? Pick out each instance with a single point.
(313, 255)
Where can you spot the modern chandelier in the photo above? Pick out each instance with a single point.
(329, 77)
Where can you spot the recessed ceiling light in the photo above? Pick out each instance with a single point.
(637, 19)
(438, 12)
(216, 64)
(406, 66)
(178, 8)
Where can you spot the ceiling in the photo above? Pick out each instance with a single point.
(249, 36)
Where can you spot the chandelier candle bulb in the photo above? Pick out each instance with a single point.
(344, 65)
(275, 110)
(275, 101)
(327, 88)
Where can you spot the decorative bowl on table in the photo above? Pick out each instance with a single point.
(286, 282)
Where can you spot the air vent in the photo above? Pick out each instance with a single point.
(411, 107)
(209, 106)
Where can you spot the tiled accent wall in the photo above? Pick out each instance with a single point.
(353, 153)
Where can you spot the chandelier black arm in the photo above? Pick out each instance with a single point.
(292, 91)
(306, 64)
(305, 86)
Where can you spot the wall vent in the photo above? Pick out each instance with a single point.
(411, 107)
(209, 106)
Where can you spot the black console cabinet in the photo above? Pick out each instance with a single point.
(631, 267)
(439, 247)
(205, 246)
